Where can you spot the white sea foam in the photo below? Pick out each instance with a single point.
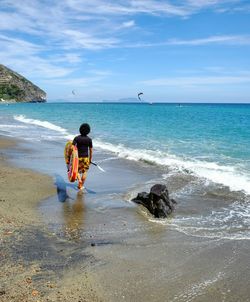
(191, 292)
(215, 172)
(225, 175)
(44, 124)
(56, 132)
(12, 127)
(230, 223)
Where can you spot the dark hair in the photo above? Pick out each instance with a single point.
(84, 129)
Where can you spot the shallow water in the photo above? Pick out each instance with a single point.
(141, 259)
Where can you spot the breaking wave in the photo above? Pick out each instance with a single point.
(44, 124)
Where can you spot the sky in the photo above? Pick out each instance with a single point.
(172, 51)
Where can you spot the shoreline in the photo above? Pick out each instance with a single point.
(32, 258)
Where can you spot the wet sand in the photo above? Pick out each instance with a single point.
(138, 258)
(35, 264)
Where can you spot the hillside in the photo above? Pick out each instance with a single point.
(16, 88)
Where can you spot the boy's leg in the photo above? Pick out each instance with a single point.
(84, 176)
(79, 178)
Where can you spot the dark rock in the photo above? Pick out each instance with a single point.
(157, 201)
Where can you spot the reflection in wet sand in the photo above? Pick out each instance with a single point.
(73, 216)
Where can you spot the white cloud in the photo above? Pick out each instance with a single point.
(128, 24)
(182, 8)
(15, 22)
(49, 39)
(76, 39)
(74, 82)
(129, 7)
(197, 81)
(95, 24)
(224, 39)
(25, 58)
(70, 58)
(102, 73)
(17, 46)
(50, 17)
(205, 3)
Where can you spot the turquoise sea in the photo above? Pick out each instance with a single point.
(212, 141)
(207, 143)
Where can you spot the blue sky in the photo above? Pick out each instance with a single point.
(172, 51)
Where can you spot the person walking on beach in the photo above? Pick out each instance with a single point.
(85, 152)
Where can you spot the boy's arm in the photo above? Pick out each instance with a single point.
(90, 154)
(74, 141)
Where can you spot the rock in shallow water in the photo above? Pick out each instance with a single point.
(157, 201)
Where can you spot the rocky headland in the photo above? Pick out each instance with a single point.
(16, 88)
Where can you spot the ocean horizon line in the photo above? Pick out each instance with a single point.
(147, 103)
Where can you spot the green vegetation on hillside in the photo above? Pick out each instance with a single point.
(10, 92)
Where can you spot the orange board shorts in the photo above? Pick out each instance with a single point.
(83, 165)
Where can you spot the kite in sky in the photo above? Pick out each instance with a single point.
(139, 95)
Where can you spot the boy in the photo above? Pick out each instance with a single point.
(85, 152)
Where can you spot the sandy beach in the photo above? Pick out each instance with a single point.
(61, 245)
(34, 263)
